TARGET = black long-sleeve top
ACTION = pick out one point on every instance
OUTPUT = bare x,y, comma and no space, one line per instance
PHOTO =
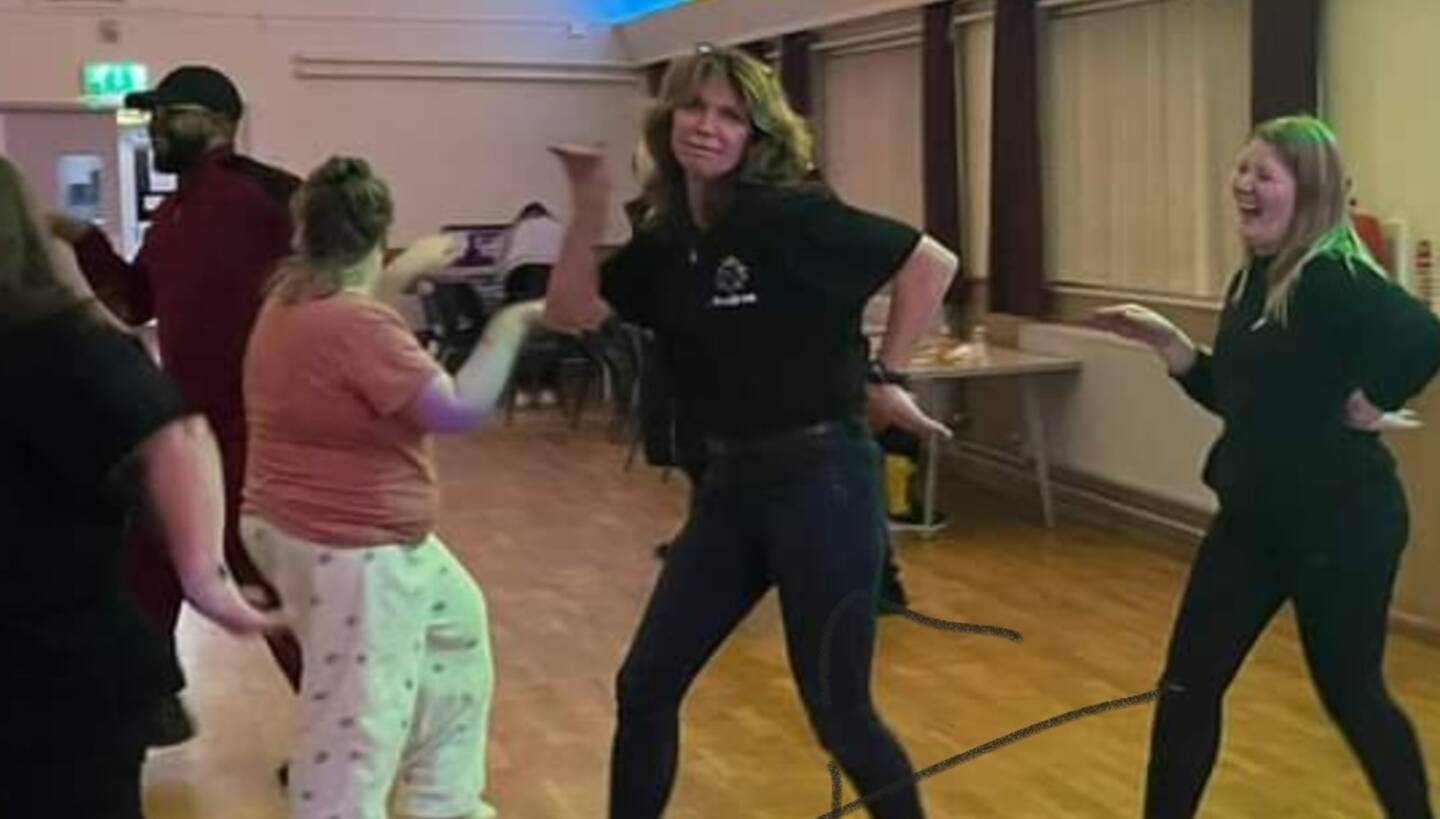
1281,391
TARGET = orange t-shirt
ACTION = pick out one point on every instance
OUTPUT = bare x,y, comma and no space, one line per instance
331,459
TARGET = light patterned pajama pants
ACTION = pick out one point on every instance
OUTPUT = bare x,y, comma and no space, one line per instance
395,700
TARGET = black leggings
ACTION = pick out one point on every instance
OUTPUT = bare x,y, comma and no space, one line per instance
71,767
804,516
1338,567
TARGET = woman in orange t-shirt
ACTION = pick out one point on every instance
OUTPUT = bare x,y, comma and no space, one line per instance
339,513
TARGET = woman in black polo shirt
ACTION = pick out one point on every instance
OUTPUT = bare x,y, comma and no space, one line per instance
90,433
755,281
1315,347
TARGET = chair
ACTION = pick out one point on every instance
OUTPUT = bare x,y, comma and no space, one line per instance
551,350
455,318
620,349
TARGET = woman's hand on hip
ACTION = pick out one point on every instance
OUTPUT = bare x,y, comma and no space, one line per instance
1361,414
889,405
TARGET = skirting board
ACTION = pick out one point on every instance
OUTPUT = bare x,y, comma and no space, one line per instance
1081,498
1170,528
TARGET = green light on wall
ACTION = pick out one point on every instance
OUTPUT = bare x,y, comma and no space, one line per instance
114,80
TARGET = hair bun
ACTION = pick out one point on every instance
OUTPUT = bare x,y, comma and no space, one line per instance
342,170
343,210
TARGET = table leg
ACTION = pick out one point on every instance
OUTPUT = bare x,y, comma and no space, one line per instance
932,457
1039,448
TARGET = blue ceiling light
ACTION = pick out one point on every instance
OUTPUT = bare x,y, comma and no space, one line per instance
627,11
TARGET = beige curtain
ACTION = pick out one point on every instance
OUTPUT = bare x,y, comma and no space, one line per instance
870,126
974,51
1143,109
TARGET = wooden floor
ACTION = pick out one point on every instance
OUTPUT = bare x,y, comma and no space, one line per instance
561,540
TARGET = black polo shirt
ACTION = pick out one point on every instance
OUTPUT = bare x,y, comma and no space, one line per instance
760,316
74,647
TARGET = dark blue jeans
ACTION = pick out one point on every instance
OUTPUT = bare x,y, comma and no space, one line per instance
803,512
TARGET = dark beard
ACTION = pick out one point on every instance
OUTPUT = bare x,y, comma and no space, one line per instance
183,151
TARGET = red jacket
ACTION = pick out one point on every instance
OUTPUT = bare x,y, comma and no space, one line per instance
201,273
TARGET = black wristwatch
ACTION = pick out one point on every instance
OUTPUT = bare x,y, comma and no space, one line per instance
877,373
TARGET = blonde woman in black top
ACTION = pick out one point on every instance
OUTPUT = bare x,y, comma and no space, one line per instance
91,435
1316,352
754,280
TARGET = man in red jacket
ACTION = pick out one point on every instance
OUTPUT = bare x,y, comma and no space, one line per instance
200,274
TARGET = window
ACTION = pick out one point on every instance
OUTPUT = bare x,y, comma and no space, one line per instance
1143,109
870,121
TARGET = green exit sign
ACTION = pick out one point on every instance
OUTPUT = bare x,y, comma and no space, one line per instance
114,80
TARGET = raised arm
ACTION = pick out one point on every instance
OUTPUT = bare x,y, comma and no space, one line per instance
573,300
460,403
1186,363
425,255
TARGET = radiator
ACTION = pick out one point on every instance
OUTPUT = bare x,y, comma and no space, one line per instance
1122,419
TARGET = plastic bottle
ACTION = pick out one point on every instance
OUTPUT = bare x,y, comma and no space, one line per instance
979,344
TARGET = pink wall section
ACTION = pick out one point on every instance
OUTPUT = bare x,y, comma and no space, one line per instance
454,100
34,139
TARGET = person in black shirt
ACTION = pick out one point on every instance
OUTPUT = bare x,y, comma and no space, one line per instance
668,441
90,433
675,447
754,282
1315,353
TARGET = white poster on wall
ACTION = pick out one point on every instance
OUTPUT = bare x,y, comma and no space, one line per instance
79,178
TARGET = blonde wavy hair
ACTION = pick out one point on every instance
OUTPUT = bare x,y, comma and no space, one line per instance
780,149
1321,223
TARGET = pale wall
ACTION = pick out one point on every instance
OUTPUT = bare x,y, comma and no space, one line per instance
60,133
1380,96
501,79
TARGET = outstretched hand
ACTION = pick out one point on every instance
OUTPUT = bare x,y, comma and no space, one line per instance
434,251
424,255
1139,323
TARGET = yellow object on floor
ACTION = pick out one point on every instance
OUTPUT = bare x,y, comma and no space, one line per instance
898,472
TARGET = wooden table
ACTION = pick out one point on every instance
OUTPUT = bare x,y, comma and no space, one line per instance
927,367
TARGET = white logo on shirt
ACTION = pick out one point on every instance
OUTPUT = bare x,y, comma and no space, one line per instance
732,283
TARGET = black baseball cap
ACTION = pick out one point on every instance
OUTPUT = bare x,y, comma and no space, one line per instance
191,85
